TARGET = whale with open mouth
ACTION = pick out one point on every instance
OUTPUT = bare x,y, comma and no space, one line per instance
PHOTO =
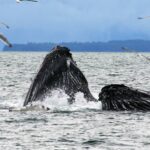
58,71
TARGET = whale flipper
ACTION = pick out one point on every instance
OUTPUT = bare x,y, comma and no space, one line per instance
120,97
58,70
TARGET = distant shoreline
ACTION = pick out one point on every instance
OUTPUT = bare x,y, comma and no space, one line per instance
110,46
1,51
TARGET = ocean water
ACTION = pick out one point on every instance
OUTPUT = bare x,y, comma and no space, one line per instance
81,125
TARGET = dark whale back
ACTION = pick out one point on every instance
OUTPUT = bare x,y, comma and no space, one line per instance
58,70
120,97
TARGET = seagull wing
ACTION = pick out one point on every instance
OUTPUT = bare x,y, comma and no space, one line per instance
4,24
18,1
33,0
143,17
4,40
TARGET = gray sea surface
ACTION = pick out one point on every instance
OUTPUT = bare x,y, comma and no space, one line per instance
81,125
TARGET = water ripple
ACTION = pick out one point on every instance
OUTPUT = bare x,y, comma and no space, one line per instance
82,125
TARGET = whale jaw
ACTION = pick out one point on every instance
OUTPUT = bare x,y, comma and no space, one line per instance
119,97
58,71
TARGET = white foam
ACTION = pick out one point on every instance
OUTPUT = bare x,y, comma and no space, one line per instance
58,101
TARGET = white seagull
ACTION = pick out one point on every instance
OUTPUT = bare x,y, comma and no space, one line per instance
18,1
146,17
4,40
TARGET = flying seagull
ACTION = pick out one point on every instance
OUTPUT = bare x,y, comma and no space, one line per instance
4,24
134,51
4,40
18,1
143,17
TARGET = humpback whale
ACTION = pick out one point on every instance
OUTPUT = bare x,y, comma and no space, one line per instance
58,71
118,97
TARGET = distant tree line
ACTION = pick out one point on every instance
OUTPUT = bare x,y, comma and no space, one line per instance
111,46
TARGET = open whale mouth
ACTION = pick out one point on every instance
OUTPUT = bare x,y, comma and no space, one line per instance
58,70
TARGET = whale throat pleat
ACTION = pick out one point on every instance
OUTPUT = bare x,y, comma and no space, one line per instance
120,97
58,70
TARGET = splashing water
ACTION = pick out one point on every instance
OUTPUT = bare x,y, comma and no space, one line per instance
57,101
78,126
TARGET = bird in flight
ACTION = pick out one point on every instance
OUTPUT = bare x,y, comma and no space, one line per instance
4,24
18,1
134,51
143,17
4,40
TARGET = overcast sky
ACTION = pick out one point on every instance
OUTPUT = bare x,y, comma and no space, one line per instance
75,20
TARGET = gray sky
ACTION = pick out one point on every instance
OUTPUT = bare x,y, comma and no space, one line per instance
75,20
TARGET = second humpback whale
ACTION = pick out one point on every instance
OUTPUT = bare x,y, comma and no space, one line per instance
118,97
58,71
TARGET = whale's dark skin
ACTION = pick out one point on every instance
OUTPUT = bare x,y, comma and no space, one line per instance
118,97
58,71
